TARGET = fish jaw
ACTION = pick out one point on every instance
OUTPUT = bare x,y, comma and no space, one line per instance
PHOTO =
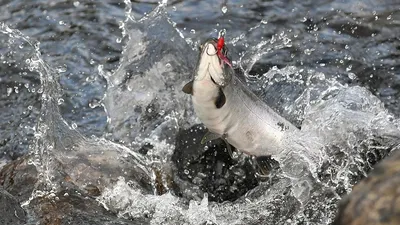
210,66
240,118
209,79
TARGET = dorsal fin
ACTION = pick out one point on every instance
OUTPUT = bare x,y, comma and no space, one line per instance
221,99
188,88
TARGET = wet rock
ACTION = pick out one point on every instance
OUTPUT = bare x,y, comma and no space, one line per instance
19,178
74,207
375,200
97,164
70,204
211,168
10,210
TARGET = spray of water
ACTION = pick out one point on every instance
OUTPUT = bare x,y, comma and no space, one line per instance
340,126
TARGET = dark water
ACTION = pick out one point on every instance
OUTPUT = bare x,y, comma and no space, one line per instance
120,80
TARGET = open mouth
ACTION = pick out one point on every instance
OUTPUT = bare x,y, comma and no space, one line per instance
211,51
221,53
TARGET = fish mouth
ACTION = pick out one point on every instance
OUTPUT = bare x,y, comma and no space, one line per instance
212,63
210,48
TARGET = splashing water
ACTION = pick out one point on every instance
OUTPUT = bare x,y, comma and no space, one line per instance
341,126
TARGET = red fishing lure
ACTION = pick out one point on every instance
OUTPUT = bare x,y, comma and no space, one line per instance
220,46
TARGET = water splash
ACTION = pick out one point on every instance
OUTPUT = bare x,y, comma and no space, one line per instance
44,142
58,145
151,72
146,108
302,197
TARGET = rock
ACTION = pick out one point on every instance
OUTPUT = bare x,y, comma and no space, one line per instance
72,206
10,210
211,168
18,178
376,199
69,204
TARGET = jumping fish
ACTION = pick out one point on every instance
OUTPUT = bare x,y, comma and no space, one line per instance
230,110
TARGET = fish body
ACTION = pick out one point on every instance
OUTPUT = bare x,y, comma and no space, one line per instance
229,110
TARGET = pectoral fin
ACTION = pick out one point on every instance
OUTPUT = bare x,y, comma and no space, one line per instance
220,100
188,88
209,137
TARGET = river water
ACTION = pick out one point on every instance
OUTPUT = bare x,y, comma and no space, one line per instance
93,89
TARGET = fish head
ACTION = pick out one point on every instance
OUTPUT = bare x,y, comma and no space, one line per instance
212,65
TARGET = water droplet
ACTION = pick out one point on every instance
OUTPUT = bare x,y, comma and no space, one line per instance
346,47
30,107
222,33
9,91
91,61
61,22
61,69
352,76
76,3
173,8
119,40
224,9
186,171
74,126
94,103
192,31
60,101
168,65
308,51
149,110
389,17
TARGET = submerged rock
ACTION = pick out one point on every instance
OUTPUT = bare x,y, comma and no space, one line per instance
18,178
211,168
69,204
10,210
375,200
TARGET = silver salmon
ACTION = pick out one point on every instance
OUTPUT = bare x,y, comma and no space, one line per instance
230,110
